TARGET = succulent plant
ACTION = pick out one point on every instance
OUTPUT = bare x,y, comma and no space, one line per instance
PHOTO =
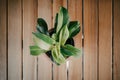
56,44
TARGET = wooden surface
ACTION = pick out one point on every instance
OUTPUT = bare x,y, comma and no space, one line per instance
44,63
90,40
116,50
105,40
59,72
3,41
14,40
29,25
75,64
99,40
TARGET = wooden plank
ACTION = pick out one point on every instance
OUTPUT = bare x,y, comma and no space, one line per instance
90,39
105,39
14,40
3,43
29,25
116,33
75,64
44,63
59,72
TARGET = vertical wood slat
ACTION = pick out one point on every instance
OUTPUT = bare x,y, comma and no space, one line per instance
90,39
105,40
29,25
3,43
44,63
116,40
59,72
75,65
14,39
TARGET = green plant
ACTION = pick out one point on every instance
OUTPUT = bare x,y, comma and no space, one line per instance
56,43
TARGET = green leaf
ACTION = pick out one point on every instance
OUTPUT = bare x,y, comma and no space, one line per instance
56,54
42,26
43,41
59,20
56,22
64,34
35,50
54,36
66,52
74,28
62,18
65,16
69,50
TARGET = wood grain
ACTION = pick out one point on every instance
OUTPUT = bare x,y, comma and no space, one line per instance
75,65
44,63
59,72
29,25
14,40
90,39
101,58
3,43
105,40
116,41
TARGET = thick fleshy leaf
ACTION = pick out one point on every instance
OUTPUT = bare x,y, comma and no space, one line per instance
56,22
56,54
65,16
64,34
62,18
35,50
59,20
42,26
69,50
54,36
43,41
74,28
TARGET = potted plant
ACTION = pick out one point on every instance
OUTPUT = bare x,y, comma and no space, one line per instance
57,43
